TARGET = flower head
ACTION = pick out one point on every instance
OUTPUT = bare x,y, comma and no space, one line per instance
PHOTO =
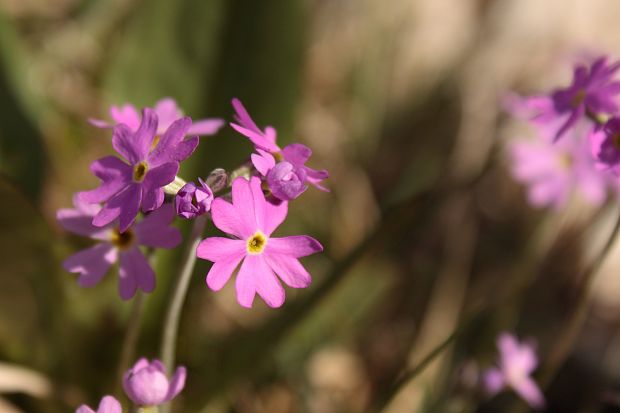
150,164
115,246
517,361
107,405
286,181
606,146
167,111
146,383
192,201
268,152
592,93
251,220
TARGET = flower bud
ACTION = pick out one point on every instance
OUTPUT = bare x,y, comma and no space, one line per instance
192,201
217,179
146,383
286,181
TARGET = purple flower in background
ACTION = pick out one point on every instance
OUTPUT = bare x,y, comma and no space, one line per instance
152,163
294,156
116,246
606,146
192,201
107,405
517,361
592,93
167,111
553,171
146,383
251,220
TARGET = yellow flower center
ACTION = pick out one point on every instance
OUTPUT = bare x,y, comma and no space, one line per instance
155,142
122,240
256,244
139,171
278,156
565,161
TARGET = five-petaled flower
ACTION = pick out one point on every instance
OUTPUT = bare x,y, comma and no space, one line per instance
287,180
167,112
152,164
108,404
252,220
94,262
517,361
146,383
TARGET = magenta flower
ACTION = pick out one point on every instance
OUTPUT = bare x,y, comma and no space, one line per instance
107,405
554,171
116,246
606,146
146,383
192,201
152,164
167,111
294,157
252,220
592,93
517,361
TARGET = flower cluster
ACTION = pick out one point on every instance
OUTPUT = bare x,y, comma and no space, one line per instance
140,194
146,385
576,138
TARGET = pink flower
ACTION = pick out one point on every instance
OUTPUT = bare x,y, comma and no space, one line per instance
192,201
146,383
167,111
606,146
252,220
94,262
107,405
285,186
149,164
517,361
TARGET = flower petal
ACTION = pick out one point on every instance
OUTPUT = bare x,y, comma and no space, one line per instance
92,263
226,218
177,382
123,142
144,136
255,276
258,201
109,405
295,246
99,123
258,139
167,111
289,270
84,409
76,221
160,176
218,248
165,151
125,206
114,174
135,272
529,391
155,230
263,161
274,216
493,381
296,153
205,127
127,114
152,199
243,117
221,270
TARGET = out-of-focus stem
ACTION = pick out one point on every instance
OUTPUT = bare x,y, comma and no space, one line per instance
173,314
131,336
566,339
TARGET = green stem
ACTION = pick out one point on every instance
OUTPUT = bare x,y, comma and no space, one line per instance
565,341
131,336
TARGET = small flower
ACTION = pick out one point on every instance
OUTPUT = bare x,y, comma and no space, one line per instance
517,361
146,383
592,93
553,171
107,405
116,246
286,181
268,152
192,201
167,111
252,220
152,164
606,146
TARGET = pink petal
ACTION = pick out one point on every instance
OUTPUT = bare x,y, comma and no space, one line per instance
77,222
255,276
126,114
258,201
84,409
142,140
115,175
529,391
220,272
296,153
160,176
295,246
155,230
243,201
109,405
167,111
152,200
258,139
274,216
493,381
166,148
140,364
92,263
243,117
177,382
205,127
135,272
263,161
98,123
289,270
124,205
217,248
226,218
123,142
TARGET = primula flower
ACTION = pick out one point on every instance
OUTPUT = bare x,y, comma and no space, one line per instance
167,111
152,163
192,201
290,178
592,93
252,220
552,171
116,246
146,383
606,146
517,361
107,405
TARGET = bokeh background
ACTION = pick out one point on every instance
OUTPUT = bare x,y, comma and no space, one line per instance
425,232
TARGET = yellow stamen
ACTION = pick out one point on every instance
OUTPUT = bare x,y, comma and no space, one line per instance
278,156
256,244
122,240
139,171
155,142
